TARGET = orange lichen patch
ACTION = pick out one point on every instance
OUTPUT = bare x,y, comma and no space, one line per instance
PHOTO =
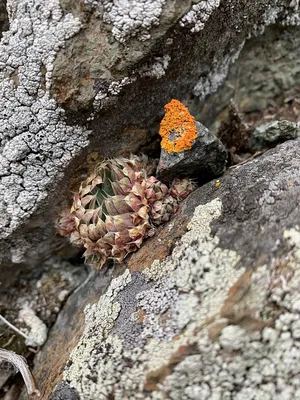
177,128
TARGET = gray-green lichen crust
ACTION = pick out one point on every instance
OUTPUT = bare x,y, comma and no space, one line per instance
36,143
173,304
166,314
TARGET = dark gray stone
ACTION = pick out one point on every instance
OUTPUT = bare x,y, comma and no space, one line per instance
3,17
273,133
64,392
205,161
260,200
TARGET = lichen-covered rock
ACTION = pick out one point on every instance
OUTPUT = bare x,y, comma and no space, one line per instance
218,318
204,161
265,73
84,75
36,143
273,133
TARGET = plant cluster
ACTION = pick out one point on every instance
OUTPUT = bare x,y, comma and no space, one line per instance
117,207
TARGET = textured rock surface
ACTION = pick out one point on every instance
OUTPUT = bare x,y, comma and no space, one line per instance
218,318
36,143
266,71
273,133
3,17
204,161
69,68
205,313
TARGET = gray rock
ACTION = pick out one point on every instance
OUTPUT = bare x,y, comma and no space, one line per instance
64,392
198,321
265,73
273,133
204,161
94,76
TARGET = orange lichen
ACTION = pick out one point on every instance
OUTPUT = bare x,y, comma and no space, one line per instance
177,128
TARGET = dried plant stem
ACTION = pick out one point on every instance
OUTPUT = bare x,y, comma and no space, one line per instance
20,364
13,327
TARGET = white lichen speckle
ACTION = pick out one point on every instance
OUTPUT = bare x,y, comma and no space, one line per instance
196,18
157,70
211,82
36,143
130,18
176,304
233,337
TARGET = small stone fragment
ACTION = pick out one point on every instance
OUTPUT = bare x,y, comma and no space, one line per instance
64,392
275,132
205,160
38,330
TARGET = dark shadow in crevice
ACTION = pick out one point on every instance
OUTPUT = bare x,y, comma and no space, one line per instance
4,22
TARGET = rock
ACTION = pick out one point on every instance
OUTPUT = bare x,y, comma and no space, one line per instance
37,328
68,330
164,331
275,132
265,73
89,76
204,161
64,392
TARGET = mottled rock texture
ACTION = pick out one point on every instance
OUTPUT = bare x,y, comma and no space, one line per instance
217,318
266,72
95,75
273,133
3,17
204,161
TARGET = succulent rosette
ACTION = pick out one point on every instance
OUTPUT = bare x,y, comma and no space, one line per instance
117,207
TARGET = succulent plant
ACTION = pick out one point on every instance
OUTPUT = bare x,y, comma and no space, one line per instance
117,207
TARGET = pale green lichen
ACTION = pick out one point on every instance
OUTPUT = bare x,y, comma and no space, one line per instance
176,309
200,223
197,278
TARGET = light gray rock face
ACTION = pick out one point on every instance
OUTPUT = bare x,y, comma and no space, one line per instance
80,76
218,318
36,143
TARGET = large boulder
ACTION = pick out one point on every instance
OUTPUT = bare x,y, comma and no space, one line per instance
206,309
